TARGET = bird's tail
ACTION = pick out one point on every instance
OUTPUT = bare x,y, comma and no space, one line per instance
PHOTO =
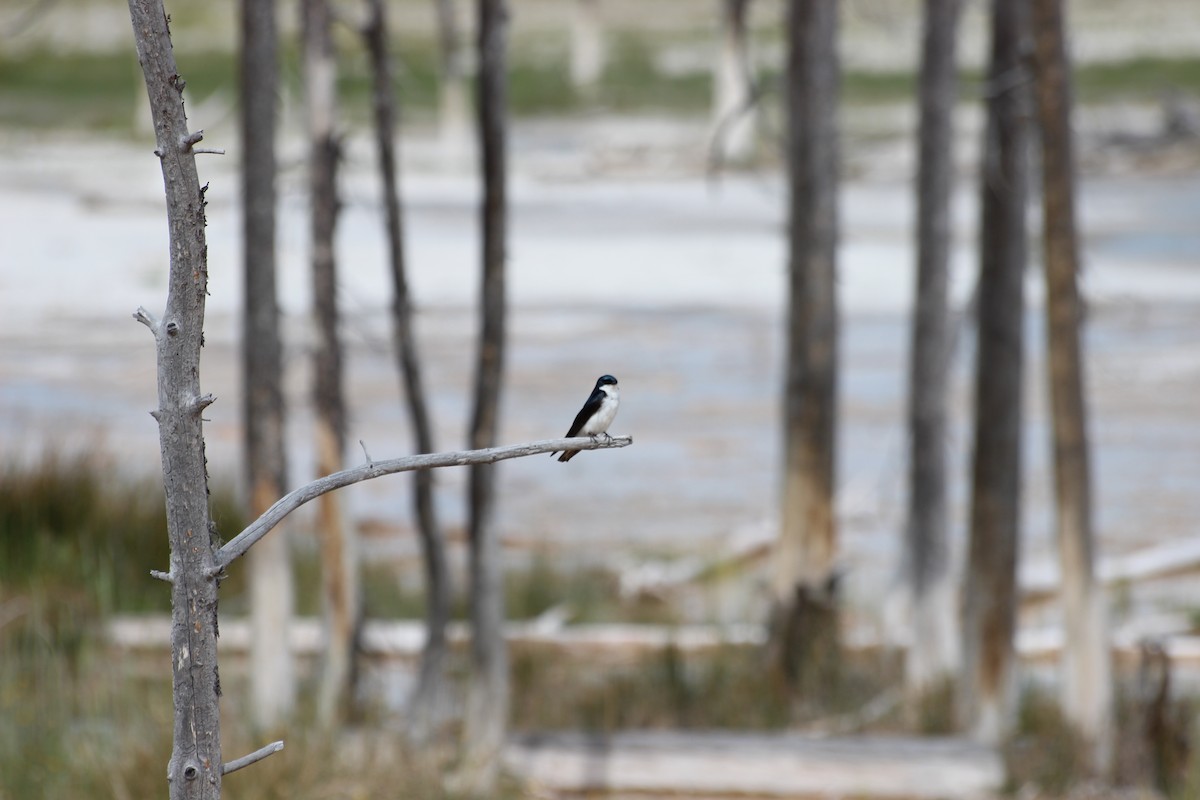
568,455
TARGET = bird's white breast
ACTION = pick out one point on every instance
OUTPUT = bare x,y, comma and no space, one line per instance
608,411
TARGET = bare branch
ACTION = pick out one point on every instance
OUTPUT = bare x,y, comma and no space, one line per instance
238,545
146,318
363,445
193,138
200,403
212,151
256,756
162,576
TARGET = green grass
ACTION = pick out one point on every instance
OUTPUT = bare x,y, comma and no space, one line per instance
93,91
722,689
72,725
1044,751
81,540
730,687
100,91
1145,79
589,594
88,727
77,720
77,90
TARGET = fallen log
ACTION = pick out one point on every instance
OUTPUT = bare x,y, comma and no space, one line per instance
711,763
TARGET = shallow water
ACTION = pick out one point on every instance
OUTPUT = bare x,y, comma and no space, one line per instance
672,283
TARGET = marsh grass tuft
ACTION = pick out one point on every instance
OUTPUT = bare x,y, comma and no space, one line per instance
80,540
1045,751
77,541
725,687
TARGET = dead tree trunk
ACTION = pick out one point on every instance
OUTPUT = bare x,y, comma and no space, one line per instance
272,672
338,558
733,86
932,654
430,695
589,51
194,770
487,698
454,117
804,614
1087,659
985,688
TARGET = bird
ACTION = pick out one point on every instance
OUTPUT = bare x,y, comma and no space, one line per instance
596,415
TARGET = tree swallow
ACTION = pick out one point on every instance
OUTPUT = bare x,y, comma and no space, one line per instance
597,413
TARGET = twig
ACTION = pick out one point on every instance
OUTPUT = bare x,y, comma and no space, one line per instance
193,138
146,318
247,760
238,545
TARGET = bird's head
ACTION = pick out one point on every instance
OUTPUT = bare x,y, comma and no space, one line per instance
606,380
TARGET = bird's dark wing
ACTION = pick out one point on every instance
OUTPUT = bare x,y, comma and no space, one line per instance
589,408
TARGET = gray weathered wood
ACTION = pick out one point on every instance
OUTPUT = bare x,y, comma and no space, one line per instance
238,545
454,106
1087,689
487,695
803,608
1042,581
251,758
194,769
933,652
430,696
734,120
589,45
272,673
339,561
986,687
721,763
622,642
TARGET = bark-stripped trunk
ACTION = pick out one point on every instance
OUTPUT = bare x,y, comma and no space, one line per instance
804,614
1087,660
734,119
454,115
986,685
194,769
589,51
933,652
487,698
338,561
272,672
430,696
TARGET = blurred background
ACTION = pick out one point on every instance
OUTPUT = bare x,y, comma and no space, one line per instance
647,238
